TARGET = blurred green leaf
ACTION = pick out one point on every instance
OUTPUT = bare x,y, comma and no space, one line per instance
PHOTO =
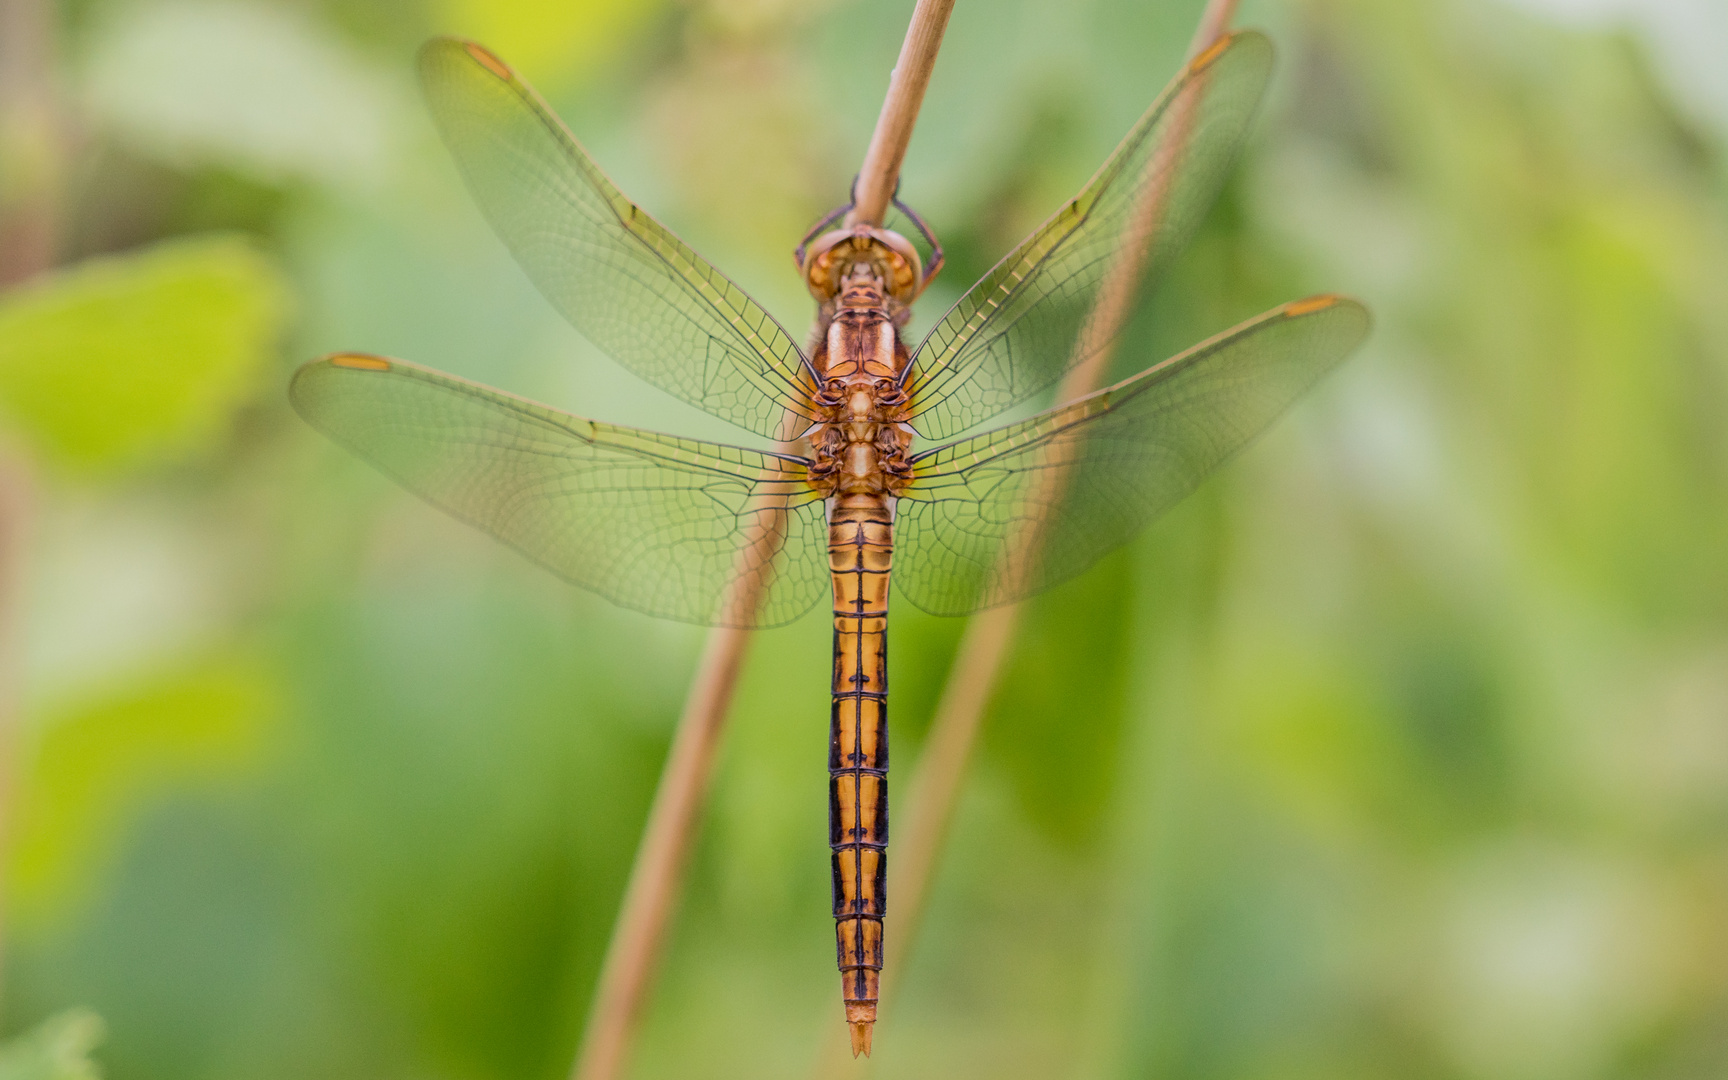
131,358
1056,715
96,762
56,1049
257,88
553,41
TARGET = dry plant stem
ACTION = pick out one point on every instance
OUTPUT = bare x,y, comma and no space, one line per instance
936,781
16,503
1214,24
881,169
30,150
942,763
30,163
1116,295
639,934
648,899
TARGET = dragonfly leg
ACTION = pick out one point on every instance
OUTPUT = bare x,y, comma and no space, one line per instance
816,230
932,265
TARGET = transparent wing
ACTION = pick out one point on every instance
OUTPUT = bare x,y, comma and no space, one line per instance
1001,515
619,276
674,527
1024,324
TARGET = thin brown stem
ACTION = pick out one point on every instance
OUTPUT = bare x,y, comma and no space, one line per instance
906,84
31,160
639,934
638,937
942,764
30,144
16,503
1115,301
632,955
1214,24
936,781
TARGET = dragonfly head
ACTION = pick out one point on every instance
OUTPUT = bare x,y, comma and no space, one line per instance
836,257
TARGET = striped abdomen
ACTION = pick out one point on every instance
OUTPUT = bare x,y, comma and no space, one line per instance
860,551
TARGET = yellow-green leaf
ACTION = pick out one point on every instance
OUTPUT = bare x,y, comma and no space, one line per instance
96,763
132,358
56,1049
554,41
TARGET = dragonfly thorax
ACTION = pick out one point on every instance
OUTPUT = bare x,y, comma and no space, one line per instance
859,446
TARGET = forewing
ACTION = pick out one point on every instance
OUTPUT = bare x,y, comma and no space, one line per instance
1001,515
619,276
1024,324
674,527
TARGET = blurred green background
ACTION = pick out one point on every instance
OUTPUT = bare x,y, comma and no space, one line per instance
1401,750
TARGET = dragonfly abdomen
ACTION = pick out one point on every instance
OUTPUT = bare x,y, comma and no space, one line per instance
860,555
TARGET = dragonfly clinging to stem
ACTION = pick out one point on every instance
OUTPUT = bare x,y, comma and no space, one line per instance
737,536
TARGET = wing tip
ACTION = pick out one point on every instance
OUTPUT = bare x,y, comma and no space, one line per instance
357,361
1354,312
477,52
347,361
1224,43
1310,305
1212,52
1295,309
489,60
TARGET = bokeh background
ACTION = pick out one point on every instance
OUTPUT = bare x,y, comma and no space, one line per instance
1400,750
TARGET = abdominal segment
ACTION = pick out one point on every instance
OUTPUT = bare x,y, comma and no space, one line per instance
859,553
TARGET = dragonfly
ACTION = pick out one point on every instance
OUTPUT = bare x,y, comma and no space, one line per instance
877,459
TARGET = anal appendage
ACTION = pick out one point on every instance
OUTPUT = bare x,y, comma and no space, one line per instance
861,1017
